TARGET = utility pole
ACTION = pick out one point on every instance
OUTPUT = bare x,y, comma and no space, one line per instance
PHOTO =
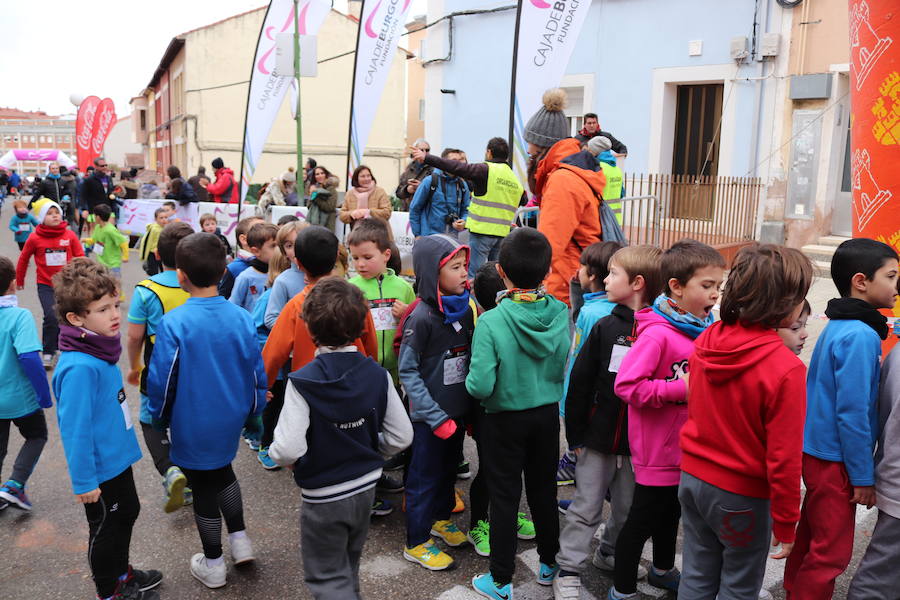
300,174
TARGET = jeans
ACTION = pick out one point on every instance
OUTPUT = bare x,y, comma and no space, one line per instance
482,248
50,333
429,481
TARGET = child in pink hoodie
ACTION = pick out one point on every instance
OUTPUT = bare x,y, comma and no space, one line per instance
653,381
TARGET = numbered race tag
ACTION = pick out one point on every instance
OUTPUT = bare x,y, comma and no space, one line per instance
456,365
615,358
23,227
55,257
99,248
382,315
123,404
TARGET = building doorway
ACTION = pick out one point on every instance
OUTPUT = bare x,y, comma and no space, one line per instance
695,155
842,214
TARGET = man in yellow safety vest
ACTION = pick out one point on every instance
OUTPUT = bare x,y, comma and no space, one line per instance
496,195
600,147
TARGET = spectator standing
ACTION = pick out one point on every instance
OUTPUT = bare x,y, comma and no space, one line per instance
441,203
224,188
179,189
199,182
323,198
365,198
592,129
413,174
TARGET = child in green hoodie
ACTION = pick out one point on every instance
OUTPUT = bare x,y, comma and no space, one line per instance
387,294
519,353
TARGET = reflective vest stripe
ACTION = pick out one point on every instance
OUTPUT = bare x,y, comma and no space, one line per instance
498,205
169,298
493,220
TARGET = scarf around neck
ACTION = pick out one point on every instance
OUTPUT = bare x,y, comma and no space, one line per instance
454,307
521,295
77,339
854,309
687,323
362,195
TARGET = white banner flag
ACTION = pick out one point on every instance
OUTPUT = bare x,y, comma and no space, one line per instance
267,90
547,31
380,27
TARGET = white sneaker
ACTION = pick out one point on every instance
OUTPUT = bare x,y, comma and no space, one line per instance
241,550
567,588
212,576
608,563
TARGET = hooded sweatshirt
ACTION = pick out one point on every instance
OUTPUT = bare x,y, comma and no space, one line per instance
53,248
224,188
745,418
434,356
650,382
519,355
570,212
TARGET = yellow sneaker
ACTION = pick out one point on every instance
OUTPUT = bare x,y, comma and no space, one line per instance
460,505
448,532
429,556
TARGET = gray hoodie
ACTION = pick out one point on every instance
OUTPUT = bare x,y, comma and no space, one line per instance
887,457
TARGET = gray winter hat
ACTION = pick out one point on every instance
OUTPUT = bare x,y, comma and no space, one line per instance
599,144
548,125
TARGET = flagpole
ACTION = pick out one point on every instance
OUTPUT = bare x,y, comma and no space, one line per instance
512,87
297,76
362,11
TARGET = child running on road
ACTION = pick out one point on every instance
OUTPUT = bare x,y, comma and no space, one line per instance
22,223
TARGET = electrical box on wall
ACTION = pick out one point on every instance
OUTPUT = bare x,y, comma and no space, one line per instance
695,47
739,48
770,44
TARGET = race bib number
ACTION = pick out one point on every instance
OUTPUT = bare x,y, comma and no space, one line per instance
615,358
23,227
382,315
99,248
55,257
456,365
123,404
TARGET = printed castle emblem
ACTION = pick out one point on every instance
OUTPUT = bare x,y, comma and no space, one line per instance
868,198
865,45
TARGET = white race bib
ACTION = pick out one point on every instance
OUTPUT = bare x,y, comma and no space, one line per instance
123,404
99,248
382,315
23,227
55,257
615,358
456,366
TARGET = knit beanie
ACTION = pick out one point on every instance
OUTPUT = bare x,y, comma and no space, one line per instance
42,207
548,125
599,144
289,176
218,163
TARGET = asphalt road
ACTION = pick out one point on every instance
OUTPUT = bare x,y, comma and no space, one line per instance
45,550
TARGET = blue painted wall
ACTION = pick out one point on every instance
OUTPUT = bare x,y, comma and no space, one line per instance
621,42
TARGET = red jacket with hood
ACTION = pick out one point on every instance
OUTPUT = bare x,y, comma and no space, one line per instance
59,244
570,212
219,188
746,410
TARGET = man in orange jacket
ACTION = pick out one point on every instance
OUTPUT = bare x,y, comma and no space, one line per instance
569,193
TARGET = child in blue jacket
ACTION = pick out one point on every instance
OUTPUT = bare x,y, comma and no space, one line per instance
95,425
205,397
22,223
842,417
24,392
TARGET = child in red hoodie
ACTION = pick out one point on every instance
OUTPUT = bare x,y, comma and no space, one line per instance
742,443
53,246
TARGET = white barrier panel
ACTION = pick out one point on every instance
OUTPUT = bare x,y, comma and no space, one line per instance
135,215
226,216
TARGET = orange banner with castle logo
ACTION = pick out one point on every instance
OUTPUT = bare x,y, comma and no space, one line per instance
875,120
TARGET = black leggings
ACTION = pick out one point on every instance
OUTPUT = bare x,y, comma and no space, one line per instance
110,521
158,445
217,494
271,412
655,512
478,491
33,428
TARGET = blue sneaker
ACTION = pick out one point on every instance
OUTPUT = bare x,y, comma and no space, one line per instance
565,470
666,580
564,505
616,595
547,573
253,443
14,493
265,460
382,507
484,585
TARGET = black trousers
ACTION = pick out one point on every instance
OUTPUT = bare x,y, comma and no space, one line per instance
158,445
655,512
216,495
33,428
515,443
271,413
478,491
50,334
110,521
